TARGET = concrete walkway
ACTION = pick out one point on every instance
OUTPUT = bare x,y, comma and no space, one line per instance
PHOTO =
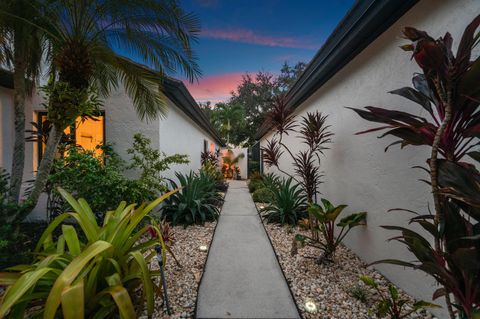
242,277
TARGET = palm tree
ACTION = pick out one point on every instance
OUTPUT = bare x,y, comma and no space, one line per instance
21,48
83,40
226,114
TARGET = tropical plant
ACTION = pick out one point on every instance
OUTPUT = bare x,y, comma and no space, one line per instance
255,184
359,292
263,195
288,205
196,202
81,37
96,277
209,157
326,217
215,175
230,164
314,133
450,83
224,115
21,49
151,162
392,304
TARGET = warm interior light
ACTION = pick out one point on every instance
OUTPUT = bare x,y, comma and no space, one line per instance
310,307
203,248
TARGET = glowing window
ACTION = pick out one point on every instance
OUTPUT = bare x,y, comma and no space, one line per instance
86,133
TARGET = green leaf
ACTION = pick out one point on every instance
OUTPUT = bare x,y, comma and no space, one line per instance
70,274
73,301
368,281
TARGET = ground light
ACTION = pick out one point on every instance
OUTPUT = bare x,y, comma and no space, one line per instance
311,307
262,207
203,248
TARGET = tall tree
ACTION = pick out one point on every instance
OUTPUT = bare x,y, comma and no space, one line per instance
227,118
21,48
82,36
289,75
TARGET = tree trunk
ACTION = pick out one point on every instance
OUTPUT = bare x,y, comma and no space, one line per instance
18,156
43,171
437,199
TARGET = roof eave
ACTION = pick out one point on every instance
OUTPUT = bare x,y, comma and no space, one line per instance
367,20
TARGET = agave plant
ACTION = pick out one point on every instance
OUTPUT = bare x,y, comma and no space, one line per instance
449,91
196,202
326,217
288,206
97,277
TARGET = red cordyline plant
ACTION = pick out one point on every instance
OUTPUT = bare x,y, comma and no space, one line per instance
314,133
449,91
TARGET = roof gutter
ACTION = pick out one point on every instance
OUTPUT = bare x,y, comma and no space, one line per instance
367,20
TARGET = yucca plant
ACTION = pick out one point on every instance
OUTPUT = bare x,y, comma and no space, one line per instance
448,90
289,204
326,218
95,278
196,203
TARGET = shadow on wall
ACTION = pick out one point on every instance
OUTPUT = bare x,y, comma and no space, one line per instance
234,163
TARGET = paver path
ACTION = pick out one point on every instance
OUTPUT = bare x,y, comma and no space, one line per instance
242,277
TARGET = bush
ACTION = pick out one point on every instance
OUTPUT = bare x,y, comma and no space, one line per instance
99,276
288,204
196,203
14,246
254,185
263,195
215,175
100,180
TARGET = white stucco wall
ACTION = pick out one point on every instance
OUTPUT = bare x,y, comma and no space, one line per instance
357,170
176,133
179,134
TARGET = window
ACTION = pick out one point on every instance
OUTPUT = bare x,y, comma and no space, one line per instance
86,133
205,146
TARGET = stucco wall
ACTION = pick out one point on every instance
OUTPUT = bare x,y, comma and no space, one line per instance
176,133
179,134
357,170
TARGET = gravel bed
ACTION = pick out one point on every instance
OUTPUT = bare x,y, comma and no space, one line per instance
182,282
328,286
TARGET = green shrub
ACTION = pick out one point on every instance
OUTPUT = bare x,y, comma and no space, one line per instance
254,185
196,203
101,181
255,176
288,204
96,277
215,175
263,195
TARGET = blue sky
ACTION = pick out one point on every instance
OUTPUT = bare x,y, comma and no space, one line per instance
249,36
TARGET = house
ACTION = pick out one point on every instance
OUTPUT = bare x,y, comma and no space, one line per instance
184,130
359,63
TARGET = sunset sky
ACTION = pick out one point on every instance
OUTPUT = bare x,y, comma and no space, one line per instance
252,35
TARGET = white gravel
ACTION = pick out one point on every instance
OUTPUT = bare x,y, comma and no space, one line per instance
182,282
329,286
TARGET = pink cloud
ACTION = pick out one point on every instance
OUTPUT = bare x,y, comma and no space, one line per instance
215,88
250,36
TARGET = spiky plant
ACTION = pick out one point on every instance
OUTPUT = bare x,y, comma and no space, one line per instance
314,133
448,90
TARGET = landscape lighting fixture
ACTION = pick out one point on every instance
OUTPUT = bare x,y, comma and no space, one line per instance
203,248
310,307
